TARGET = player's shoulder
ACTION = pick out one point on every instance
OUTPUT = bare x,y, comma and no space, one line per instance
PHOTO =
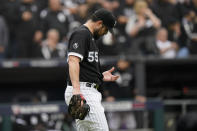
82,31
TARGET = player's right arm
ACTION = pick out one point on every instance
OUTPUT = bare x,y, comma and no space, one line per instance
76,52
73,62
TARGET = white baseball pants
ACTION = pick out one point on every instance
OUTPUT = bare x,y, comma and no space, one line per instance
95,120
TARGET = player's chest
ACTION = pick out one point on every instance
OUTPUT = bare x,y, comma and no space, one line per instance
92,53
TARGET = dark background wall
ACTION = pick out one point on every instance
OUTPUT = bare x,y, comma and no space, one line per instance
163,78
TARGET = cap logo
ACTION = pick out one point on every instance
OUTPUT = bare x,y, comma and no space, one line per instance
75,45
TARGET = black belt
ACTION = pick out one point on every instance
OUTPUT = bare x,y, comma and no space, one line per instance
88,84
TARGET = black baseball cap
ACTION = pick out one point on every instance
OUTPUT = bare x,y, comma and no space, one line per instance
107,17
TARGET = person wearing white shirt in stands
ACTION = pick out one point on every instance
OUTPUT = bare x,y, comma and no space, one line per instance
168,49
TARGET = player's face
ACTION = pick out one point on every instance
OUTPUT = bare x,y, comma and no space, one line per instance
102,30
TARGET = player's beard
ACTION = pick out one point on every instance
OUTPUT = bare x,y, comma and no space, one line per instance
96,34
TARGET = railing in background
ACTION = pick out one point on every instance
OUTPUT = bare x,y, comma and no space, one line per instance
156,106
149,71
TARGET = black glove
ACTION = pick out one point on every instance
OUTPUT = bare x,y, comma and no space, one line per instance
77,107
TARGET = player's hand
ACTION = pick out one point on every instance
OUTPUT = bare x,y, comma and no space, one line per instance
107,75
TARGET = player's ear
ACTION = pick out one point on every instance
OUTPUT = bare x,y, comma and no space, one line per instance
100,23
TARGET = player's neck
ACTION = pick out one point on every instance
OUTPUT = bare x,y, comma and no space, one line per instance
90,26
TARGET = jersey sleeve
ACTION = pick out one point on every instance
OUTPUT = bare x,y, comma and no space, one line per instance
77,44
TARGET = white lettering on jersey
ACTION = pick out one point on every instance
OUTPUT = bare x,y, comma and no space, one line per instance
92,56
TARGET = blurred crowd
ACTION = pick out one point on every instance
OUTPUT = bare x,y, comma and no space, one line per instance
41,28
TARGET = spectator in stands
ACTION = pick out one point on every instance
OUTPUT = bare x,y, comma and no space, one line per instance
141,27
80,16
174,29
179,7
188,29
3,37
51,48
123,89
27,25
54,17
174,34
187,122
72,5
36,46
167,48
120,90
123,13
12,17
164,10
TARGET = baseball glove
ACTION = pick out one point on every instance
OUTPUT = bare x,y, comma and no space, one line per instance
77,107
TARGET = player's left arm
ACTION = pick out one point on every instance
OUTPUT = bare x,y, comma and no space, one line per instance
108,76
